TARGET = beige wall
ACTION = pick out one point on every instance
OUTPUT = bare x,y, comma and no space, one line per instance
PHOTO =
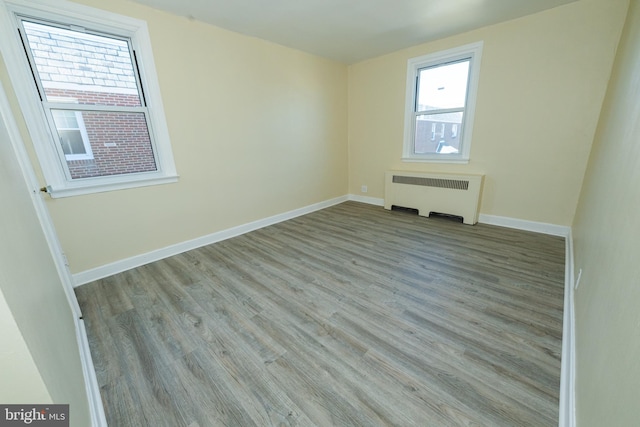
607,249
542,82
257,129
20,380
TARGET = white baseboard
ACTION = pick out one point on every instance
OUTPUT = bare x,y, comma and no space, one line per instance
568,366
96,409
502,221
142,259
521,224
365,199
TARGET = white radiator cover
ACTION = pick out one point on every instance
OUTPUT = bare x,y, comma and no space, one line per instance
445,193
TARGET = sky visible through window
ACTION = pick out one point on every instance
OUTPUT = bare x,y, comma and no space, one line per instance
443,86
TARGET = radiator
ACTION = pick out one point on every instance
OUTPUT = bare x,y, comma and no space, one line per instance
443,193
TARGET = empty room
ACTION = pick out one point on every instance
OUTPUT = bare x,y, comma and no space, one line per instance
322,213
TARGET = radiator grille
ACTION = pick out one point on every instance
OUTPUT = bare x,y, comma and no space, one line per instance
455,184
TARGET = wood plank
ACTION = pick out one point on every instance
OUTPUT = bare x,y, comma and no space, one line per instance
351,315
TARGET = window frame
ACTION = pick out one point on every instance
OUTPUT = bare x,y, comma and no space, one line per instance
58,182
473,52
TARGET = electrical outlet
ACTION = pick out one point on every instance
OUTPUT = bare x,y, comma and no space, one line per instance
363,189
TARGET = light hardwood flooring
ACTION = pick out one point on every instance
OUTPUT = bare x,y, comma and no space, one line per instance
349,316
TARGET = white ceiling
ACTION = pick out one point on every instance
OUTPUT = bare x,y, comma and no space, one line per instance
352,30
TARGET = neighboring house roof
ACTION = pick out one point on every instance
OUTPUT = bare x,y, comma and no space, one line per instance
442,117
68,59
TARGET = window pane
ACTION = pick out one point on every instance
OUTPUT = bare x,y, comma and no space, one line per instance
443,86
82,68
71,141
65,119
120,144
437,133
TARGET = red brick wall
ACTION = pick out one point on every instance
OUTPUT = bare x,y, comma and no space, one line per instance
119,141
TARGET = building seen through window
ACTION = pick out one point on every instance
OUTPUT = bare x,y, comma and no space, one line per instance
92,99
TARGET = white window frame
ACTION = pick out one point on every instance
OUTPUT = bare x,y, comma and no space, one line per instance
58,183
414,65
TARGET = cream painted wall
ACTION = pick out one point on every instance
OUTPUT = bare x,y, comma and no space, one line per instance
542,83
20,380
257,129
607,249
32,290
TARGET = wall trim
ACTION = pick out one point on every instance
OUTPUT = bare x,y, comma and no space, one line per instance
521,224
98,418
502,221
567,416
178,248
365,199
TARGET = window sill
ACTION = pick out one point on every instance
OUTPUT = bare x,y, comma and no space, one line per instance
432,160
86,188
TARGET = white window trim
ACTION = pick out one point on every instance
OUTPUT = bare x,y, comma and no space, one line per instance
473,51
58,184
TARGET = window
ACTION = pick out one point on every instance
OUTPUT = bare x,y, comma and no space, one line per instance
441,92
85,80
72,134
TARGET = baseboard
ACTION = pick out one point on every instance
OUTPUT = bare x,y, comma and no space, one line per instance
142,259
96,409
502,221
568,366
365,199
521,224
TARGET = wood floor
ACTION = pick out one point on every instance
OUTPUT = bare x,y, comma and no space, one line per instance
349,316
